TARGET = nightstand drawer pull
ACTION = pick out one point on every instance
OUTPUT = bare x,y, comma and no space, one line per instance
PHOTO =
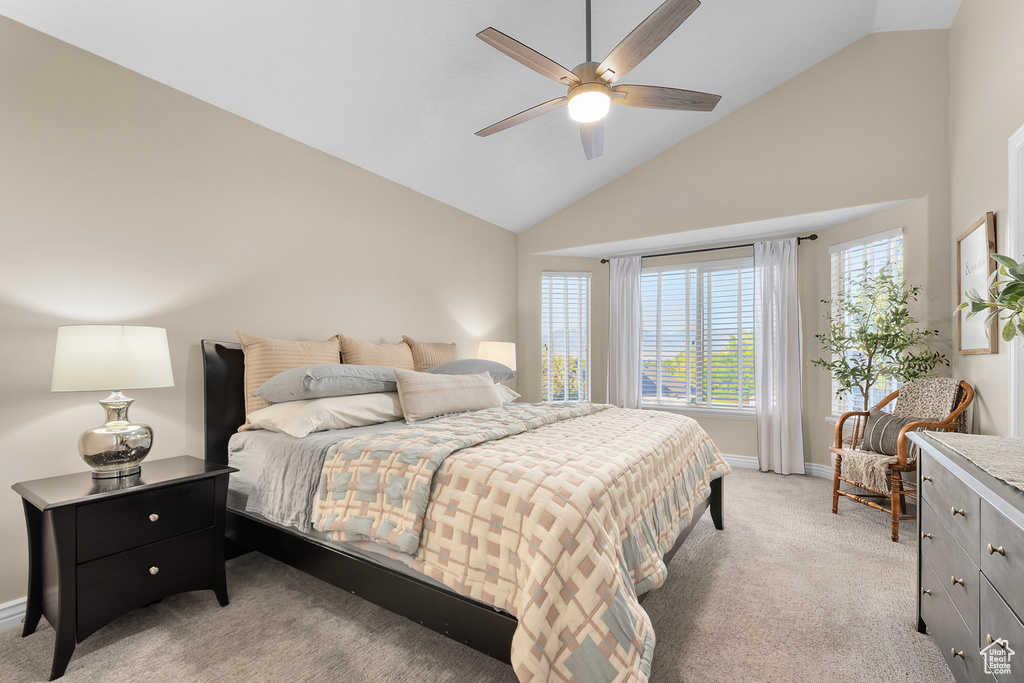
154,570
925,534
954,653
993,551
955,512
154,517
954,581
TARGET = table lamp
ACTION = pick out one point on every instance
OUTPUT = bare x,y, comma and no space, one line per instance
499,352
112,358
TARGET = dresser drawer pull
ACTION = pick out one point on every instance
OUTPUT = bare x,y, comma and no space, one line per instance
954,653
923,478
153,517
956,581
993,551
925,534
154,570
955,512
998,641
925,591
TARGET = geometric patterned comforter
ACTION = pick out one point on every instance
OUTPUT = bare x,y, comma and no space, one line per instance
559,514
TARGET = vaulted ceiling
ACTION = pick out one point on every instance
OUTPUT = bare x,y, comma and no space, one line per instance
398,87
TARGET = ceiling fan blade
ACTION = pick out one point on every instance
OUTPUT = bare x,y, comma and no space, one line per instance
656,97
527,56
645,38
522,117
592,135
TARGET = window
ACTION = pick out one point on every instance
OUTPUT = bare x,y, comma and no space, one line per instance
565,337
698,335
852,262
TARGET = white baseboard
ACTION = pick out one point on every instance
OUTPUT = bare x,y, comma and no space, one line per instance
11,614
811,469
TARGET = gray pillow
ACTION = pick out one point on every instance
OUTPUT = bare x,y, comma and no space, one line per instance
474,366
882,433
323,381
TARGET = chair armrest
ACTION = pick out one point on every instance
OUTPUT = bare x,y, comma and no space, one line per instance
839,426
902,442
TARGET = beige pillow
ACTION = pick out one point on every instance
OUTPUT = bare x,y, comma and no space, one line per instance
424,395
356,352
426,356
299,418
264,358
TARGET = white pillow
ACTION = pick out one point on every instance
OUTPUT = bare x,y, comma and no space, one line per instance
424,395
299,418
506,394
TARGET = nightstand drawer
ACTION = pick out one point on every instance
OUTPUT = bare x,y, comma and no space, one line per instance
129,521
114,585
957,505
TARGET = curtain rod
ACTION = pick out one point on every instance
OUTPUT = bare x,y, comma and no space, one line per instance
812,237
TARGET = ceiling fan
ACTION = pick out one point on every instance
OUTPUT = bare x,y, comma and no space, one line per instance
591,85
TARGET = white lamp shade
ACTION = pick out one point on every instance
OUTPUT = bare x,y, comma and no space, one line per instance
500,352
111,358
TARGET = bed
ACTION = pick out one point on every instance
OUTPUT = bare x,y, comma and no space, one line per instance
418,590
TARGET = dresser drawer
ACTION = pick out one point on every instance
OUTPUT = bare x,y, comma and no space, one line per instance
959,575
948,629
110,526
1004,569
957,505
999,623
114,585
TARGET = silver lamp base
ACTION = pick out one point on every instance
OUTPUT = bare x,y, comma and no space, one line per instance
115,448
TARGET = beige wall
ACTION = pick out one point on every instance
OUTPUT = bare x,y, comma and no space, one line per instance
122,200
867,125
986,107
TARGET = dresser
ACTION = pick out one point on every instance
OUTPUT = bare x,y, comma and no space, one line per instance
970,560
99,548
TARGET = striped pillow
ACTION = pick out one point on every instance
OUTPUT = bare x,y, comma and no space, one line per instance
356,352
426,356
265,358
424,395
882,432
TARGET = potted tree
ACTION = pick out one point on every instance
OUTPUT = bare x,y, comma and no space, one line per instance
872,336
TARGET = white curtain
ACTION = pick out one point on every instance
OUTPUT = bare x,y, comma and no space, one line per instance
780,441
624,332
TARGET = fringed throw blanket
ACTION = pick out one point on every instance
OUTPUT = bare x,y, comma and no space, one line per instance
558,513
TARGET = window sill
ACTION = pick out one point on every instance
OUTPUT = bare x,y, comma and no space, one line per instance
704,412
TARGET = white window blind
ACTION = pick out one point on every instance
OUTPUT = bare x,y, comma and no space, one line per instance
852,263
565,337
698,335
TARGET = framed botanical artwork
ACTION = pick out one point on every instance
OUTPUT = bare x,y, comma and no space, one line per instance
974,264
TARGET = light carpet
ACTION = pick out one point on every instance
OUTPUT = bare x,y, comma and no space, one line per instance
787,592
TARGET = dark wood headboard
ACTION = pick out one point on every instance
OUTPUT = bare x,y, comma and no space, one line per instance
223,395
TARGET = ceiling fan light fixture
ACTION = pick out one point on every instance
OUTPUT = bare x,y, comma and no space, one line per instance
589,102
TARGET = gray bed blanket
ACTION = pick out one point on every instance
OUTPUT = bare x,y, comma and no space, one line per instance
286,470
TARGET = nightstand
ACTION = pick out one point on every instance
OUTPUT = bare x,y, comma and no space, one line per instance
99,548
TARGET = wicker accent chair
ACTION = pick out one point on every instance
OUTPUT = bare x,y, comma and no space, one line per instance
880,475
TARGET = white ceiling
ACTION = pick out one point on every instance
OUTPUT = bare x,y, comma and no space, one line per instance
398,87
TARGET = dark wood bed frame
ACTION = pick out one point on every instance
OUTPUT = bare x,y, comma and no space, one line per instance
476,624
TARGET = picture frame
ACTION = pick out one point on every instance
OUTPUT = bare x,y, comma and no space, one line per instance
974,249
